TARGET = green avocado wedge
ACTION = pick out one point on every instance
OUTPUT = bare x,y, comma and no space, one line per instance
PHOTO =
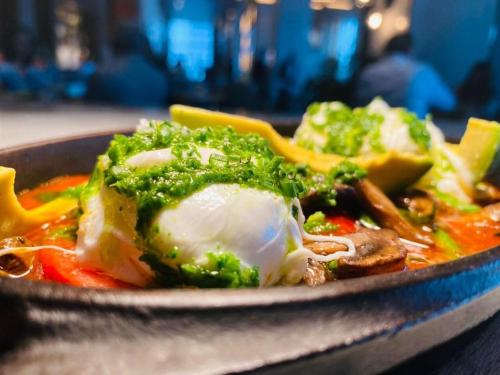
474,156
393,171
479,146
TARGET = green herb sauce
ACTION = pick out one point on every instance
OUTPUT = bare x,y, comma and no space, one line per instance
417,129
247,160
346,130
221,270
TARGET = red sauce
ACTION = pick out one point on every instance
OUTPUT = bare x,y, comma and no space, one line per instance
30,199
471,232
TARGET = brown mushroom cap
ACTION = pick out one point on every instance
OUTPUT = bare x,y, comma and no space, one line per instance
377,251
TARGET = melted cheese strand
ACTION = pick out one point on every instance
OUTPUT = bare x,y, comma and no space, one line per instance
28,249
351,249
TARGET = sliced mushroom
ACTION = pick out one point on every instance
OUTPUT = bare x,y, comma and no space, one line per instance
377,251
316,273
12,265
387,215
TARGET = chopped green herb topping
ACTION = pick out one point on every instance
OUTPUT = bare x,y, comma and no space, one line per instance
221,270
322,186
319,185
316,223
418,130
333,265
347,173
345,128
247,160
332,127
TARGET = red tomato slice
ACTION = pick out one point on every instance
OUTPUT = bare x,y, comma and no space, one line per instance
65,268
345,224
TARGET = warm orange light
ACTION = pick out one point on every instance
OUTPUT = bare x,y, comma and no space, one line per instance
402,23
331,4
266,2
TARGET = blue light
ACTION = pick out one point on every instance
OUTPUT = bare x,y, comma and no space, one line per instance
345,46
191,44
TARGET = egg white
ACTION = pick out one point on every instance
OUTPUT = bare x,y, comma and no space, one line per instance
106,238
257,226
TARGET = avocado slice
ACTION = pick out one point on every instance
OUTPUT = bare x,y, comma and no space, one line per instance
479,146
475,154
390,171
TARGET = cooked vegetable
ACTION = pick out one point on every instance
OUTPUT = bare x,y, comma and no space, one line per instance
72,192
66,269
347,173
479,146
447,243
378,251
486,193
316,223
334,128
456,203
457,169
321,189
493,211
386,213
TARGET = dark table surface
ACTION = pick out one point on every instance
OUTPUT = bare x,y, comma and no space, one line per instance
474,352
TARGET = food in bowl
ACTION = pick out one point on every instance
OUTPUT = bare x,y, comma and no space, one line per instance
216,200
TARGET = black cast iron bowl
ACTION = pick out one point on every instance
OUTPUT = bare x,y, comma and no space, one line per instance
363,325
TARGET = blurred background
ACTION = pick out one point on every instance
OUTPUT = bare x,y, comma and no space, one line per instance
114,58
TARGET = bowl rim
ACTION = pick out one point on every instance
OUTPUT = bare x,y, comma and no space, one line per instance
228,298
